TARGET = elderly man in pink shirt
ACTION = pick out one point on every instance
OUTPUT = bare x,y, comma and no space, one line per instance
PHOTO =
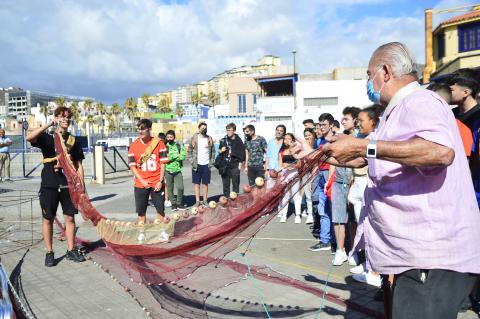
421,221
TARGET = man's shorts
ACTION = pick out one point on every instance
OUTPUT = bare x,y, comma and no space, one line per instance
201,175
51,197
339,203
141,200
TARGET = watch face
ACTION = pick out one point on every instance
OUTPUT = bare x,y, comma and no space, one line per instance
371,152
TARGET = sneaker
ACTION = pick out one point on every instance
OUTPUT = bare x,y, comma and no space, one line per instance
309,219
320,246
75,255
298,219
174,207
198,204
353,260
360,269
283,219
304,213
203,203
340,258
168,203
8,180
49,259
368,278
182,207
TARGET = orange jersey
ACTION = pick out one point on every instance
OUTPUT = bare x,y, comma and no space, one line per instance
467,137
150,170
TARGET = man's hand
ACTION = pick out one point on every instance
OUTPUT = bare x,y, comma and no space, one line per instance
222,149
301,148
145,184
245,169
158,186
240,166
345,148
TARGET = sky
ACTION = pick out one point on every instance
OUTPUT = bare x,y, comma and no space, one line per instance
114,49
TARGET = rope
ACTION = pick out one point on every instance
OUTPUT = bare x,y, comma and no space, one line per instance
254,282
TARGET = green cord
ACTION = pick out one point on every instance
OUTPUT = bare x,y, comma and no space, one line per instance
254,281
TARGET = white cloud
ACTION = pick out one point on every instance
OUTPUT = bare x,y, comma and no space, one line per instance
113,49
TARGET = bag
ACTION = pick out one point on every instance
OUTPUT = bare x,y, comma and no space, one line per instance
221,164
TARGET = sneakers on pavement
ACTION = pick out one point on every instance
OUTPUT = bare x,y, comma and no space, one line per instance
340,258
309,219
49,259
353,260
8,180
283,218
368,278
298,219
168,203
360,269
182,207
75,255
174,207
304,213
320,246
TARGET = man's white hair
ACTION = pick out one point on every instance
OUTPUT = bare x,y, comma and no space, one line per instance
396,55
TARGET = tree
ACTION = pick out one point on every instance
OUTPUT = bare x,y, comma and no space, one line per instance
116,110
131,109
44,109
90,120
196,98
74,108
88,105
60,101
111,123
179,111
213,100
146,100
100,108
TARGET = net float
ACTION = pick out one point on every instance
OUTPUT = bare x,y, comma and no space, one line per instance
141,223
201,209
233,195
186,215
107,221
247,188
259,181
212,204
157,221
194,210
273,173
166,219
128,224
223,200
176,216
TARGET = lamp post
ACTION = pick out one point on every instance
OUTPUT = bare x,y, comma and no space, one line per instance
294,90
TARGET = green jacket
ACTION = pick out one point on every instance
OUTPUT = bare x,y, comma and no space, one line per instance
176,155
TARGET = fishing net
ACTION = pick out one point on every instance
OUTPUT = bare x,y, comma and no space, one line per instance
180,261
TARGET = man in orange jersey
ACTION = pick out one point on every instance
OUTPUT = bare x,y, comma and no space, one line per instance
147,157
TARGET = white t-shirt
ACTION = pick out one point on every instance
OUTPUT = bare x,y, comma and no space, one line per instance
203,157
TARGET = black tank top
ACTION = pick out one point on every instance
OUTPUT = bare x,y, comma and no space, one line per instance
288,159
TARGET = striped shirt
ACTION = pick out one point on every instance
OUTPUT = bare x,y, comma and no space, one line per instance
151,168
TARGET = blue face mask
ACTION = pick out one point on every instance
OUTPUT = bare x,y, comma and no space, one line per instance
373,95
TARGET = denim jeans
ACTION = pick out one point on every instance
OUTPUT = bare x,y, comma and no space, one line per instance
324,209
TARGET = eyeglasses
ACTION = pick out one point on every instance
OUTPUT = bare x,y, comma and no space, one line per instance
142,129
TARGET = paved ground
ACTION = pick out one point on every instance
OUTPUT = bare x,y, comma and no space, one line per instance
83,290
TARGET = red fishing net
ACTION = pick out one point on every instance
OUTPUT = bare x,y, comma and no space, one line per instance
179,263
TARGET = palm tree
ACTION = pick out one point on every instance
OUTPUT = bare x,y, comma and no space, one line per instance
44,109
146,100
111,123
179,111
60,101
196,98
116,110
100,108
76,117
212,100
90,120
130,109
88,105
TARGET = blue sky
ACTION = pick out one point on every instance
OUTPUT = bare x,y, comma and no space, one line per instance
114,49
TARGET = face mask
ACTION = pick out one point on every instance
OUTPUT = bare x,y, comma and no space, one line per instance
373,95
204,132
171,142
248,137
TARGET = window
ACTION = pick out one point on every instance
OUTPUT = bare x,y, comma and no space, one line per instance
254,99
320,101
441,45
469,37
242,103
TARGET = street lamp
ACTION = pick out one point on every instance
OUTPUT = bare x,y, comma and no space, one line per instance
294,90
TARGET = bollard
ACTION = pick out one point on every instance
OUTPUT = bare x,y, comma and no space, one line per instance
99,165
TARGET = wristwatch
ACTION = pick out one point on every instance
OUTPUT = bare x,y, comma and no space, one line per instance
372,149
